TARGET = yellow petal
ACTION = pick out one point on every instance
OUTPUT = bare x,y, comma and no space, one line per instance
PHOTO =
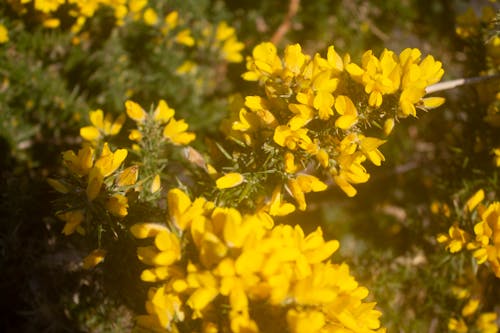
474,200
163,112
345,186
95,182
433,102
128,176
146,230
117,205
229,180
156,184
89,133
94,258
135,111
57,185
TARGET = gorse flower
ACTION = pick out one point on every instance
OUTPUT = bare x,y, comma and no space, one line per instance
484,239
103,126
243,260
174,130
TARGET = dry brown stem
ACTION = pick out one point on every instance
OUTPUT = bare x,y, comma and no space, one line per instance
293,8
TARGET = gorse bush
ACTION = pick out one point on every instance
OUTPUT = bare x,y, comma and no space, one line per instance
212,175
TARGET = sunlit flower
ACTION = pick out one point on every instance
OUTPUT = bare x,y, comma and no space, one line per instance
135,111
102,126
455,240
79,164
175,131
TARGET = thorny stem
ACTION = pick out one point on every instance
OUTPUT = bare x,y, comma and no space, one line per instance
446,85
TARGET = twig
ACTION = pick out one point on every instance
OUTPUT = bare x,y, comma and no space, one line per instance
285,25
459,82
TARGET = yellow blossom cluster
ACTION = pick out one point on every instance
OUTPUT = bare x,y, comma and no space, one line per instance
316,111
90,172
82,10
208,258
174,131
468,24
484,242
471,316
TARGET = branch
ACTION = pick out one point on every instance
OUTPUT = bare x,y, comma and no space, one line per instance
441,86
285,25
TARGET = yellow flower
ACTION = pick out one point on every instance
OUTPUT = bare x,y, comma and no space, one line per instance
79,164
165,252
388,126
470,307
496,153
277,207
304,184
348,113
182,211
487,231
128,176
4,34
117,205
474,200
150,17
135,135
200,298
286,137
102,126
94,184
51,23
175,131
146,230
73,220
135,111
184,37
369,147
163,113
294,59
456,239
487,322
231,47
155,184
93,259
457,325
229,180
109,161
378,75
264,62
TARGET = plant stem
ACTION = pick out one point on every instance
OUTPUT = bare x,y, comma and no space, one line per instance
441,86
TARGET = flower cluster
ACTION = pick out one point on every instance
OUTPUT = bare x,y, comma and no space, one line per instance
468,24
90,171
315,112
100,184
207,258
470,315
155,133
82,10
484,242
